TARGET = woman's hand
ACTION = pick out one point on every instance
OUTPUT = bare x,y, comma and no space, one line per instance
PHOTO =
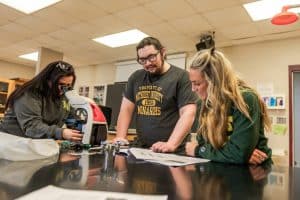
257,157
72,135
190,148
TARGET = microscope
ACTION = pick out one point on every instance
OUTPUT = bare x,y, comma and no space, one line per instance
88,118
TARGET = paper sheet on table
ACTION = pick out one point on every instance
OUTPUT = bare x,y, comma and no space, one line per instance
165,158
51,192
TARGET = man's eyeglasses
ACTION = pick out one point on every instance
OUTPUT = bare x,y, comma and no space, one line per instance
151,58
63,67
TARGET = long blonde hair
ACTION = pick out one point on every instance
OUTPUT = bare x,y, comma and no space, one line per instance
223,92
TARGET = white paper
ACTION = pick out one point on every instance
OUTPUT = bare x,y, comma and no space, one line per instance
165,158
51,192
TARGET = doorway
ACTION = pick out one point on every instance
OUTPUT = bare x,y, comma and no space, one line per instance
294,115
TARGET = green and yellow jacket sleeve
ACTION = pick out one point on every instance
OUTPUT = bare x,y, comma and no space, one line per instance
244,136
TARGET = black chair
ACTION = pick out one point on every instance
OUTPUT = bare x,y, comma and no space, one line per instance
107,113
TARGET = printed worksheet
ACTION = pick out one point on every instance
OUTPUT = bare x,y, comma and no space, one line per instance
165,158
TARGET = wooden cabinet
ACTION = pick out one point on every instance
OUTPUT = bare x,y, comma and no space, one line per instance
17,82
7,86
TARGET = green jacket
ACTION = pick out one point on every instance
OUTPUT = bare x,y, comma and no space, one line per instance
244,135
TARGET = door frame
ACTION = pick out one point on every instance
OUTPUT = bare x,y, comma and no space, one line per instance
292,69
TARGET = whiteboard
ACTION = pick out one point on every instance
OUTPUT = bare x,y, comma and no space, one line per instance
126,68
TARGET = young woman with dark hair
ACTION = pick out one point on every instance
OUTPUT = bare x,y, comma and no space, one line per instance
38,108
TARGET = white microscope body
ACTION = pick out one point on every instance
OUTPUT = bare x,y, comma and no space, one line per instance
92,122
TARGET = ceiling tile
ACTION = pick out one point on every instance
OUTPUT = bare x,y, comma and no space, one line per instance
82,9
227,17
9,37
67,36
138,16
4,21
57,17
241,31
37,24
160,30
246,1
89,45
110,24
205,5
170,9
192,25
142,2
86,29
115,5
17,50
31,45
48,41
10,14
21,31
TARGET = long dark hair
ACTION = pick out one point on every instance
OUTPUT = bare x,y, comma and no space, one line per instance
45,83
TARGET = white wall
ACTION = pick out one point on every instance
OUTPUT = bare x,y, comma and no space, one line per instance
12,70
94,75
126,68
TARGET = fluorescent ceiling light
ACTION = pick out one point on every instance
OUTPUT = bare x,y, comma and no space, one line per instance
28,6
266,9
31,56
122,39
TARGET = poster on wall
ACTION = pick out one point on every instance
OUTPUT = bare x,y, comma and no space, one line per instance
99,94
84,91
274,101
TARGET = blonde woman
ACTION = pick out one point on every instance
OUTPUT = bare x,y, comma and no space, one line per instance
232,118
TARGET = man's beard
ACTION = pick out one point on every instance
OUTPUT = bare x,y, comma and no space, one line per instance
158,69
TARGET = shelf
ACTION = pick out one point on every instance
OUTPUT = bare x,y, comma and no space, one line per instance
7,87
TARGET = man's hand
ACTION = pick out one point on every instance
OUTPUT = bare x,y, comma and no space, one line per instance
257,157
163,147
122,141
190,148
72,135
